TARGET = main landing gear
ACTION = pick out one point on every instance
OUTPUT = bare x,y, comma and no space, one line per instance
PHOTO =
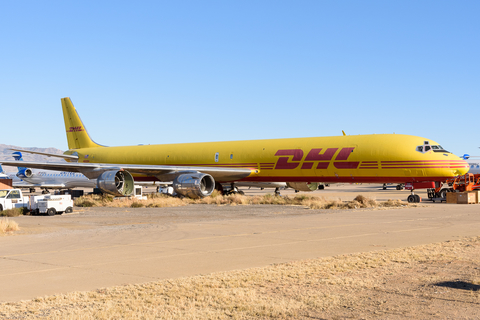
233,190
277,191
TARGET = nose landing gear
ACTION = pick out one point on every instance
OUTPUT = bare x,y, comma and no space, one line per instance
413,198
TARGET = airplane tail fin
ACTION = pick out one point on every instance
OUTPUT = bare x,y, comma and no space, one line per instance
77,135
1,169
18,157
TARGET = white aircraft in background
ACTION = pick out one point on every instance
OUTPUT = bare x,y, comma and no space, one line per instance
49,179
16,181
474,164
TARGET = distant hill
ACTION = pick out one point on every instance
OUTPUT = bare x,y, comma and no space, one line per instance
6,154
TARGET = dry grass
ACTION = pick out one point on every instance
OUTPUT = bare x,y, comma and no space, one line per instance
14,212
161,200
364,285
7,226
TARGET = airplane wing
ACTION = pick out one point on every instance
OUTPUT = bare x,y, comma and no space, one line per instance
63,156
162,172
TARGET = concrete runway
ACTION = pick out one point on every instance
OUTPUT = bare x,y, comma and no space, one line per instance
101,247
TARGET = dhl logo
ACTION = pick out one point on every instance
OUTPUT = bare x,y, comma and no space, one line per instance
75,129
292,158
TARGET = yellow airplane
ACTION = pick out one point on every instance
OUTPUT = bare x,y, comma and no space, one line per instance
195,168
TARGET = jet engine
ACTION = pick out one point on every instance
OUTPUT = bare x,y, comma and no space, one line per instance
116,182
303,186
25,173
194,185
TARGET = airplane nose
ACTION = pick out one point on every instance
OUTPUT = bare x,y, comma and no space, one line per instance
461,167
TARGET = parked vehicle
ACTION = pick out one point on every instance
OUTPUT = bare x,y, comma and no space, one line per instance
44,204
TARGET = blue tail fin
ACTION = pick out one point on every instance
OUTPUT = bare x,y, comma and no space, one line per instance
18,157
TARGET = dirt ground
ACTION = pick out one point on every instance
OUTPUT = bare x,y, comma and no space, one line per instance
432,281
436,281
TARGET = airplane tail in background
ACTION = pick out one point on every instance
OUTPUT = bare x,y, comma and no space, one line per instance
18,157
77,134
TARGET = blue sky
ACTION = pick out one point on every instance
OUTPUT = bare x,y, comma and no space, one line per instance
149,72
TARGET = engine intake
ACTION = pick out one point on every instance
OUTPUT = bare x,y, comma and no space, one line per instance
194,185
25,173
118,183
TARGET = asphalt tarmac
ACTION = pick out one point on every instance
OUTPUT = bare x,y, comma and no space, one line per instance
101,247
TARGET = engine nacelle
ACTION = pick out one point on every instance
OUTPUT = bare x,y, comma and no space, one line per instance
116,182
303,186
25,173
194,185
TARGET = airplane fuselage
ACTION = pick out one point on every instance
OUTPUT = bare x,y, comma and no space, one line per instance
59,179
378,158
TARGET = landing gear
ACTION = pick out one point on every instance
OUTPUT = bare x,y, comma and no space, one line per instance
277,191
234,190
219,188
384,186
413,198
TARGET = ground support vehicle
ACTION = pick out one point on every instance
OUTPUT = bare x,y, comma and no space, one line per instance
12,198
53,204
46,204
466,182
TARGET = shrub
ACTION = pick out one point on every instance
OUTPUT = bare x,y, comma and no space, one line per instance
8,226
137,204
13,212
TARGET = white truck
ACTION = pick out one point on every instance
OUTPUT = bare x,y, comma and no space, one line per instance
44,204
11,199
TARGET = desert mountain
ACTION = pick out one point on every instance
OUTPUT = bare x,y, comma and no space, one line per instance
6,154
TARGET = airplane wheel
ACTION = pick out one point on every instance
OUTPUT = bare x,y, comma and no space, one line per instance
384,186
443,193
417,198
411,198
51,212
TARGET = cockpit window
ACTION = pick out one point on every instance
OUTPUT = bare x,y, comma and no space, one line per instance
439,148
427,147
